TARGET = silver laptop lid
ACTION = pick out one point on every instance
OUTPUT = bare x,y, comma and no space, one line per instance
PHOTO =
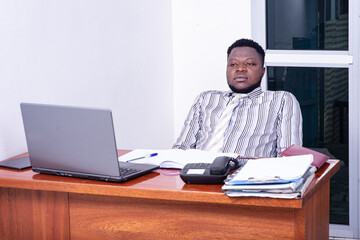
72,139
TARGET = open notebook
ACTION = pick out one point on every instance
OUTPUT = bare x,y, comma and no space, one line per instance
172,158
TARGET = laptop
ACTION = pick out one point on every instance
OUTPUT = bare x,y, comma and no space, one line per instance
75,142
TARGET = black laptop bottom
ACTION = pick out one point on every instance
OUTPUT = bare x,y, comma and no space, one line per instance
128,171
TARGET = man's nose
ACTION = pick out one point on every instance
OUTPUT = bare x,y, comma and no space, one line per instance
242,68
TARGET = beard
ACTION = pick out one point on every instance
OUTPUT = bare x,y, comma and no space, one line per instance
245,90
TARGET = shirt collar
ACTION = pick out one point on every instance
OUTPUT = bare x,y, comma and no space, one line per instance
252,95
255,93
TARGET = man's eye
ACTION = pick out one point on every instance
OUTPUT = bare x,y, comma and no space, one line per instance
232,64
250,64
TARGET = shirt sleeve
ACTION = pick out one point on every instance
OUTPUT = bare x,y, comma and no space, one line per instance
188,138
289,128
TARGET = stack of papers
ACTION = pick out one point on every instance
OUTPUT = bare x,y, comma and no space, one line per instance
285,177
172,158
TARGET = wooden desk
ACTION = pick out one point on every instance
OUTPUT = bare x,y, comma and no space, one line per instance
156,206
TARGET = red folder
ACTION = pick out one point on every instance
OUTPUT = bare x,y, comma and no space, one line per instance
294,150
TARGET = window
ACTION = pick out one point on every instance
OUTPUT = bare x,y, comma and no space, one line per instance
309,52
307,25
323,97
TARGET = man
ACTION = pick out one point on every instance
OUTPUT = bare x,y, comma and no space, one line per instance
246,120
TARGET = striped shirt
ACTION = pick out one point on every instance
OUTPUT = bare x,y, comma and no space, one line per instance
262,125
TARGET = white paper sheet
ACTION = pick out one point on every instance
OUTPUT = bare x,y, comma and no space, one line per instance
173,158
273,169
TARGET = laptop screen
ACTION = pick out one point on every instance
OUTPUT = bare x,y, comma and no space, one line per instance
72,139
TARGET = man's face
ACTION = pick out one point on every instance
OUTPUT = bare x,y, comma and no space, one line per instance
244,69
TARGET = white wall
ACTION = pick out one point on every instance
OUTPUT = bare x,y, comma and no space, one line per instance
114,54
145,59
202,32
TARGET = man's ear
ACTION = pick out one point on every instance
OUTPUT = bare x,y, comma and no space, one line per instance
263,72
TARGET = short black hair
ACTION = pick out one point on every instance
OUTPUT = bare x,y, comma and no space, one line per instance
247,43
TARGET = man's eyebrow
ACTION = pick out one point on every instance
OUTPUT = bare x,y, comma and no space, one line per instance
249,58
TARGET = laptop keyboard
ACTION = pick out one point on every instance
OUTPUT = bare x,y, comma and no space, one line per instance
128,171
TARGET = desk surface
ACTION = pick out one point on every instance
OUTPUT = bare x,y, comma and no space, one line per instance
162,184
158,205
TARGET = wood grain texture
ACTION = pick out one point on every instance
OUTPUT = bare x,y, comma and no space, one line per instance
319,204
158,205
104,217
32,214
162,184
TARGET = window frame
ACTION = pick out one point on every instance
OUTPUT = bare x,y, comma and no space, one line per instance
325,58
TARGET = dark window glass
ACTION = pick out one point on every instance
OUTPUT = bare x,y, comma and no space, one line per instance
307,25
323,97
